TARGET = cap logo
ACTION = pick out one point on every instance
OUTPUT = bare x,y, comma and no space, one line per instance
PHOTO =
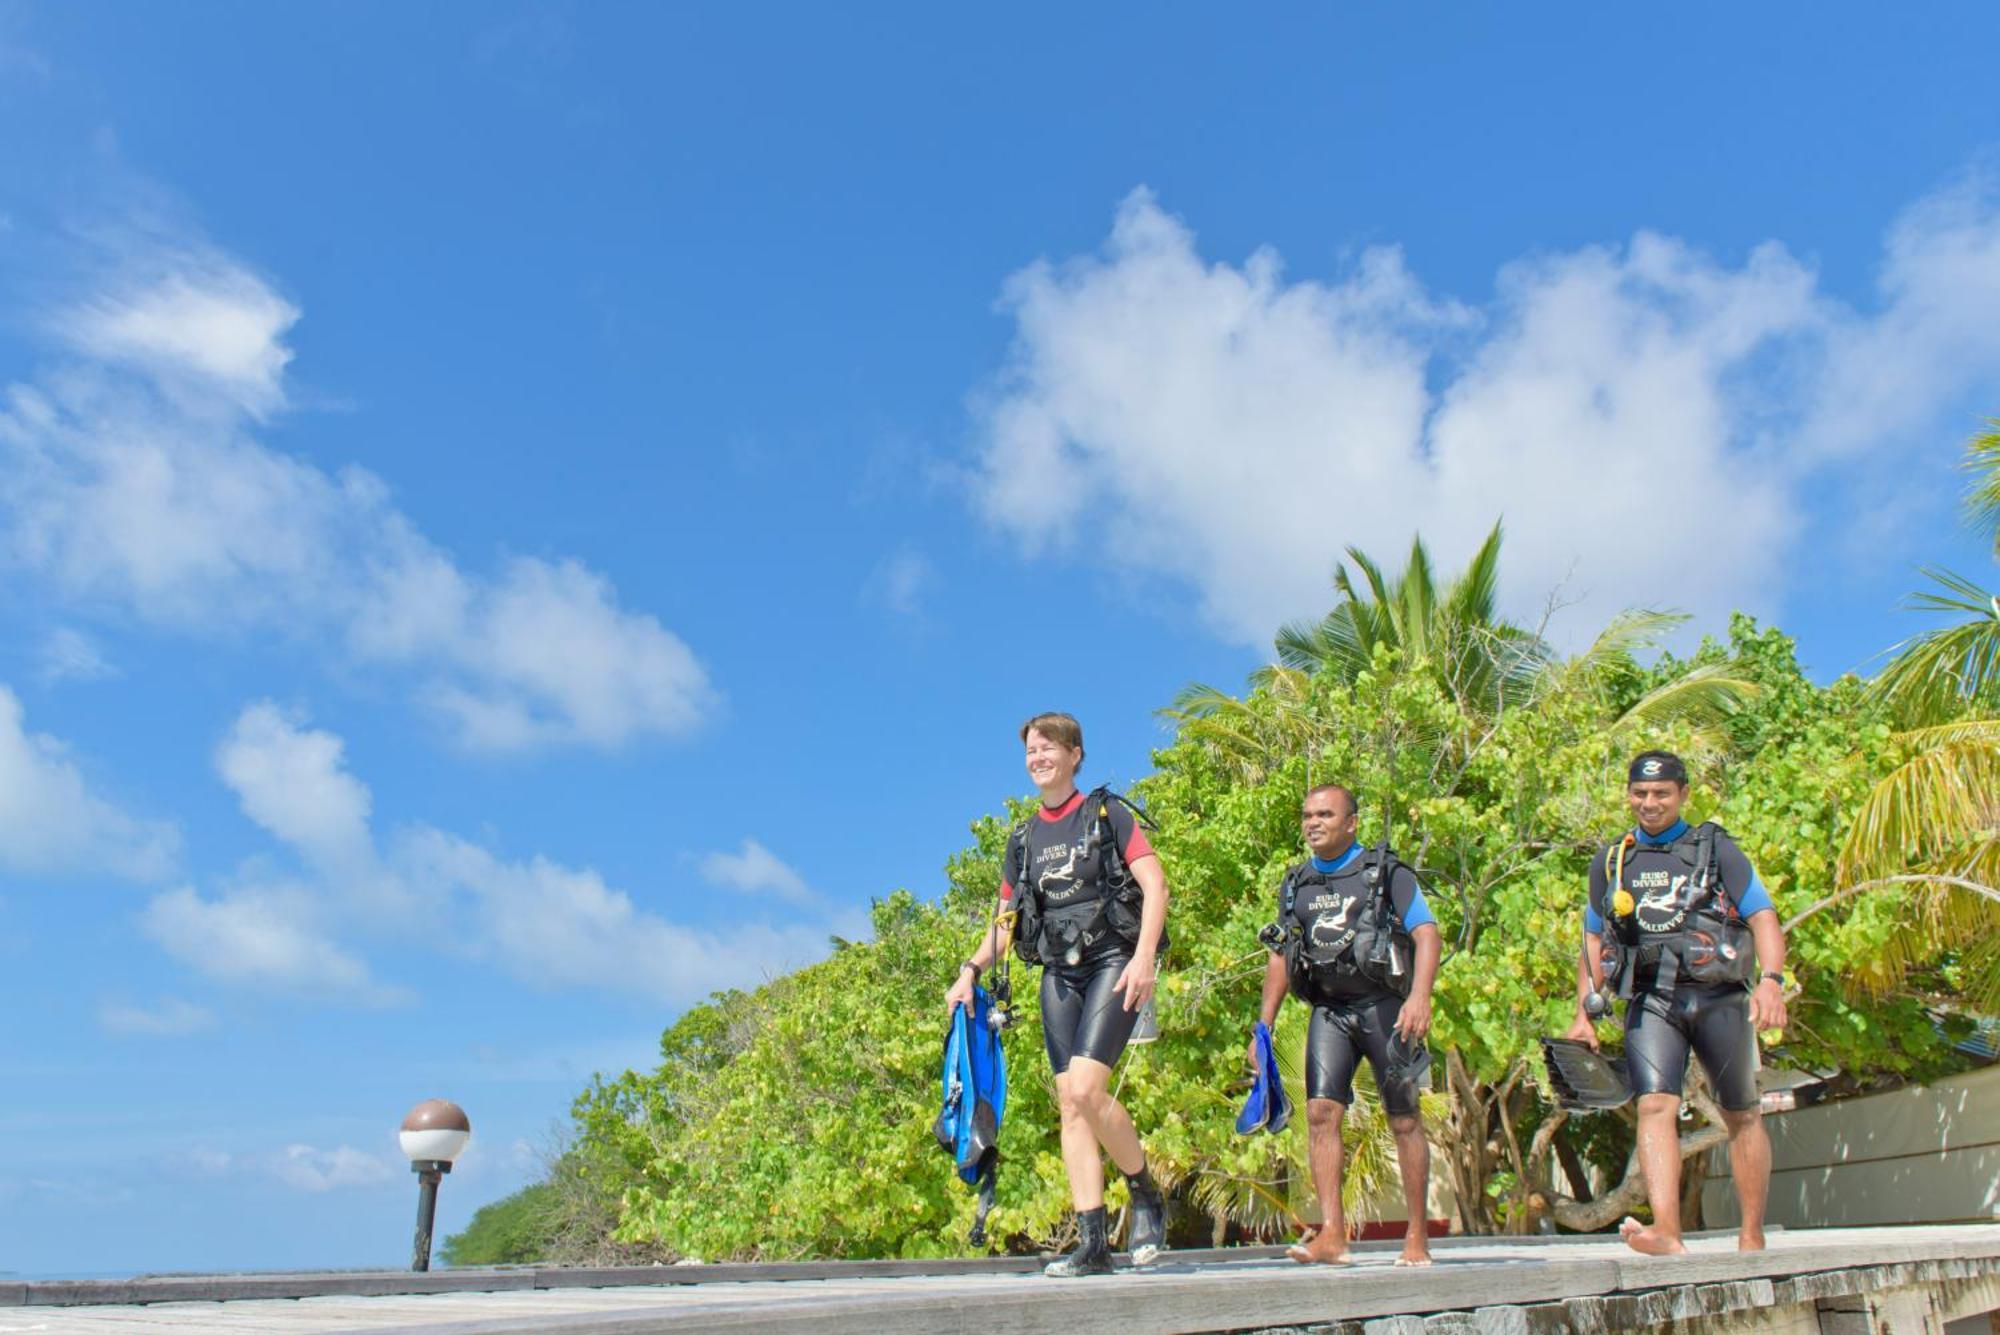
1651,769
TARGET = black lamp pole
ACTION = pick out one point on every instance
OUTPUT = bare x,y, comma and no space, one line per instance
429,1173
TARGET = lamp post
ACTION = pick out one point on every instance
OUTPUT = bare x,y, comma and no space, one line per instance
433,1135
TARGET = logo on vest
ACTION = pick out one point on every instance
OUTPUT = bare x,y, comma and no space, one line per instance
1330,930
1662,900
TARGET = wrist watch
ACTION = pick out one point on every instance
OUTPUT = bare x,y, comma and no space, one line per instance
1774,976
970,965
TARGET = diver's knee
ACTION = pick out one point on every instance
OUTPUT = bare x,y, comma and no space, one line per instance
1406,1125
1653,1107
1739,1120
1067,1100
1325,1114
1086,1092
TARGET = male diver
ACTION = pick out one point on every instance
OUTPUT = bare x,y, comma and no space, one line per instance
1672,916
1355,941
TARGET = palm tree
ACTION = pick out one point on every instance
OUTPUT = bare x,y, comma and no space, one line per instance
1455,629
1487,664
1931,827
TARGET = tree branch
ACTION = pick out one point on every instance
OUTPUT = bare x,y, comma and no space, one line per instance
1621,1200
1919,878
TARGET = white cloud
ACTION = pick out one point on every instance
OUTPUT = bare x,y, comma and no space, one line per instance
209,322
172,1017
315,1170
263,937
557,926
900,582
202,1161
70,655
551,925
552,657
1234,431
51,823
755,869
292,782
132,475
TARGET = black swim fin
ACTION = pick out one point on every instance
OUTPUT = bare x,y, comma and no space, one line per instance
1584,1080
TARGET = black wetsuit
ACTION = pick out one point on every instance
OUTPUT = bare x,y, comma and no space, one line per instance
1355,1018
1081,1015
1712,1022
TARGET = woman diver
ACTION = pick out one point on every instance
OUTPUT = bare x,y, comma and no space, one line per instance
1091,900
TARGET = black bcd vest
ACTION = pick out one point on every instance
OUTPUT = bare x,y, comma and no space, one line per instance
1064,935
1362,937
1706,942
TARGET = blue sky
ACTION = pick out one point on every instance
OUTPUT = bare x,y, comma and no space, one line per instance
514,516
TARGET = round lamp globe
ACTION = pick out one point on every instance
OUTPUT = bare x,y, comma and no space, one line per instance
435,1130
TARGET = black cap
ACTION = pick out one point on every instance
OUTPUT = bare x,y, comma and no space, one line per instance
1649,766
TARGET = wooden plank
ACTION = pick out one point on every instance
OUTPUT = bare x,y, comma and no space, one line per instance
1474,1280
1163,1303
224,1288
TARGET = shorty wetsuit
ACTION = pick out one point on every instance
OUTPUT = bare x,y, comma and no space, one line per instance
1357,1018
1081,1015
1711,1021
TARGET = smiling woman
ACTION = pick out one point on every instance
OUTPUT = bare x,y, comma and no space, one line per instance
1076,872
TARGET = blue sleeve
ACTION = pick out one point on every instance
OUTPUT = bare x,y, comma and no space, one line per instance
1755,899
1592,923
1737,872
1418,911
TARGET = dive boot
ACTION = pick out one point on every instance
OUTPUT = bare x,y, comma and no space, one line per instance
1147,1236
1092,1255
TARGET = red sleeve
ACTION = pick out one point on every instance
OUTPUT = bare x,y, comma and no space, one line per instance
1136,844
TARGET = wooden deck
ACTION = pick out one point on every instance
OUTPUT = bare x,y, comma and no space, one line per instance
1807,1281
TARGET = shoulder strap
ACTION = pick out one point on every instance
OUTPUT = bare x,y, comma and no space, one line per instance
1018,873
1707,875
1098,804
1379,868
1103,794
1288,891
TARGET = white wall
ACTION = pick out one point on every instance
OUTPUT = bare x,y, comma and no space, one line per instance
1921,1155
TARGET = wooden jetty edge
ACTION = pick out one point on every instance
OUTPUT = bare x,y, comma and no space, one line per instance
1826,1282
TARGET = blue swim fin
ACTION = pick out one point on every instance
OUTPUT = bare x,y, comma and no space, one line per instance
1267,1099
1281,1102
973,1102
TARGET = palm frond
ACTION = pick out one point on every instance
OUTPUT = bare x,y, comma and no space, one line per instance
1415,602
1703,698
1475,594
1197,700
1935,673
1943,799
1982,495
1948,916
1630,633
1333,643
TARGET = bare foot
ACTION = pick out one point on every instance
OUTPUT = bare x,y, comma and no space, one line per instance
1322,1248
1416,1251
1750,1242
1645,1238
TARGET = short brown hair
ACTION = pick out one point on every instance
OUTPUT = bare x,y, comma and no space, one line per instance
1062,729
